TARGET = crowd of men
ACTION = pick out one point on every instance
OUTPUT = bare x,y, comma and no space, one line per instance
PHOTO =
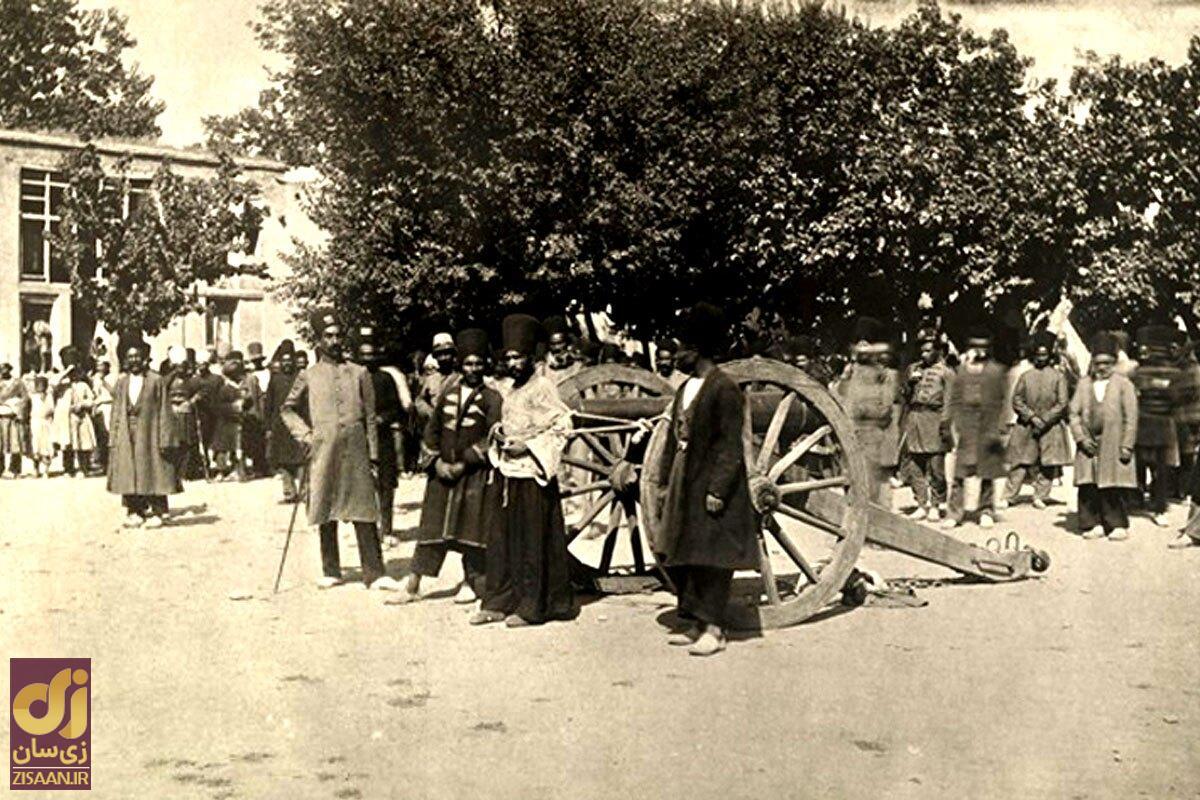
488,430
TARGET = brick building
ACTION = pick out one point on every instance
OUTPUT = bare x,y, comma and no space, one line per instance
34,282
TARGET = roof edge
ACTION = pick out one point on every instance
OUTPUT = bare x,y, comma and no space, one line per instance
118,147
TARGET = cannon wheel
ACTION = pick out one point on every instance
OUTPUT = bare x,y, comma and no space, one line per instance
771,465
604,483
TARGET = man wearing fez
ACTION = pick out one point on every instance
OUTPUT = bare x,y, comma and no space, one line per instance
1104,420
330,410
976,402
870,391
528,573
284,453
559,364
664,362
463,493
141,456
388,413
1156,380
1038,446
926,427
709,526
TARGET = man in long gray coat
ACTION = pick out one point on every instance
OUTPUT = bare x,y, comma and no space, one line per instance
1038,447
343,446
1104,420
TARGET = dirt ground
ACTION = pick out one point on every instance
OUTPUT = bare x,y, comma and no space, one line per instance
1079,684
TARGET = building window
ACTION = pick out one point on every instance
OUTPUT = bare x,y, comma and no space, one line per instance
218,327
41,206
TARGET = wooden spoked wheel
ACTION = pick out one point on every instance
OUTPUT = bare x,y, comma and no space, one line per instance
801,442
602,463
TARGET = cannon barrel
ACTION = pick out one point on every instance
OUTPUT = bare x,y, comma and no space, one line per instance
801,418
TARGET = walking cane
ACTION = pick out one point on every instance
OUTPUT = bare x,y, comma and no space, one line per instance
303,477
200,446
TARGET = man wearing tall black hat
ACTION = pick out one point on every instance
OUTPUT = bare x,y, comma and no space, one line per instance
708,522
801,352
926,427
528,573
1104,420
284,453
388,413
1038,447
977,396
870,392
463,493
558,364
1156,380
330,410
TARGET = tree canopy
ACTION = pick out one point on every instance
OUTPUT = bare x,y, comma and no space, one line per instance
138,261
63,68
787,160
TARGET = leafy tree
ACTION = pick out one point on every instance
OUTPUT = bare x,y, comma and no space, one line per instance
64,69
137,272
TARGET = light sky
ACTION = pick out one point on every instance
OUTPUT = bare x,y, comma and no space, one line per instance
206,61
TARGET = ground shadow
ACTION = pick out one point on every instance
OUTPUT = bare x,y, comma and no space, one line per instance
1067,521
187,522
674,623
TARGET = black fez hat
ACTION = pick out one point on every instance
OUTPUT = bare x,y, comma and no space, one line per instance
235,355
869,329
472,342
979,332
1161,336
799,346
322,318
127,340
286,348
555,325
1105,343
190,354
521,332
706,328
1042,339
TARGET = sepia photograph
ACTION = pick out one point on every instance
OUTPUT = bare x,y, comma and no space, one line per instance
547,399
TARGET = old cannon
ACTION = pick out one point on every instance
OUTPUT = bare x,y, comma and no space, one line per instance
807,476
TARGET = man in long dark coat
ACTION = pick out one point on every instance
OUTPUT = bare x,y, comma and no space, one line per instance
709,528
141,460
463,492
1156,380
1038,446
528,571
184,392
926,428
342,440
1104,420
388,411
977,396
283,451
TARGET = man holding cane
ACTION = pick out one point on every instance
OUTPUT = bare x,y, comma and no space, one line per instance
343,450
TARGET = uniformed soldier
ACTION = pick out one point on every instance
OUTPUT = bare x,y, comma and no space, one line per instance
926,429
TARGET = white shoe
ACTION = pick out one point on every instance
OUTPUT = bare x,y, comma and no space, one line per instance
711,642
933,516
1118,535
896,482
466,595
153,522
918,515
1160,520
328,582
1039,503
133,521
1092,533
986,521
1182,541
1001,504
385,583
